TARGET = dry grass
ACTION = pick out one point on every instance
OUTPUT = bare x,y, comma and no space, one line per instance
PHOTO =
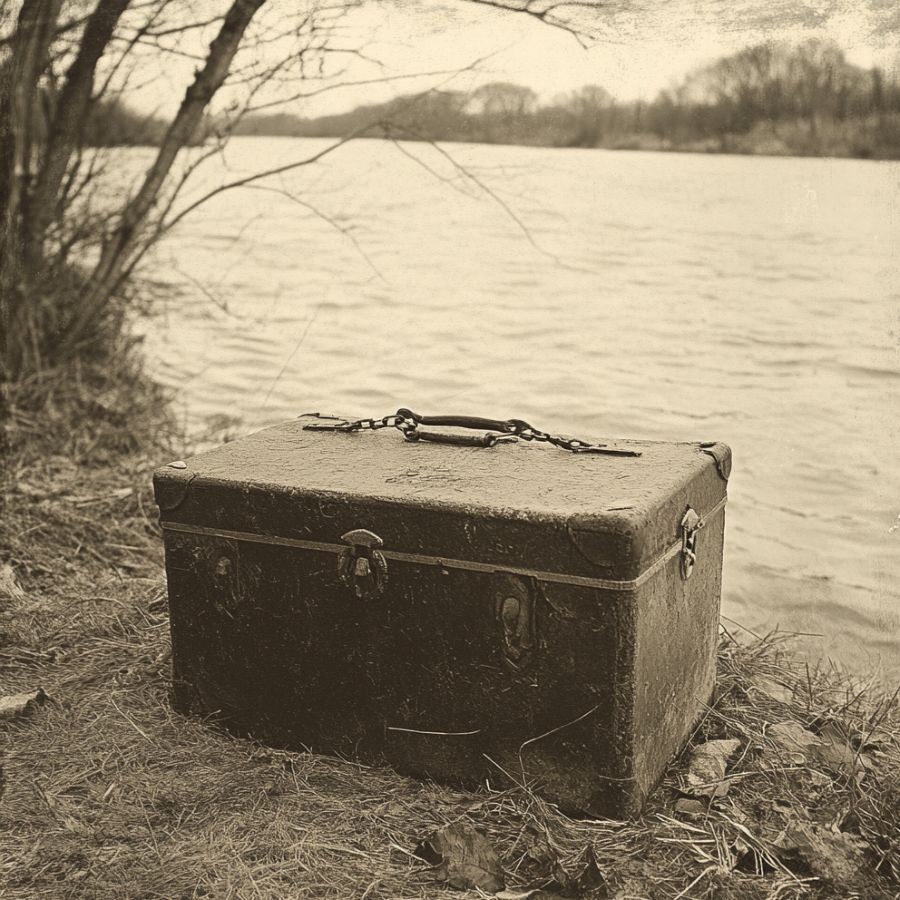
109,794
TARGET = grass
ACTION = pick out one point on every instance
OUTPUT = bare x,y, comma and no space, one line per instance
109,794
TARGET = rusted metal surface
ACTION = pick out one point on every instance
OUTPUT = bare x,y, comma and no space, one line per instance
361,565
721,453
525,609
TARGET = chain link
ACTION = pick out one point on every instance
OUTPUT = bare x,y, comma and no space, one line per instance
369,424
406,422
528,432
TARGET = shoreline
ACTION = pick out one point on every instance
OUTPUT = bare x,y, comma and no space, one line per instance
108,793
683,149
789,141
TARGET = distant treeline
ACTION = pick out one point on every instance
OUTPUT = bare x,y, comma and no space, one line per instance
772,99
111,123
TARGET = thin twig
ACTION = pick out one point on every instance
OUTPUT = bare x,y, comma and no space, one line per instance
131,722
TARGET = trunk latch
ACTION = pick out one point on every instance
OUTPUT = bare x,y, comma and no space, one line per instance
690,525
515,615
361,566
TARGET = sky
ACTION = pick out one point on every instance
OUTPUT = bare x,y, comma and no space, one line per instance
634,54
637,47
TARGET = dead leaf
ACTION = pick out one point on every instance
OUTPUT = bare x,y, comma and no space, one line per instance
9,586
832,855
463,857
20,704
630,887
589,882
705,776
545,856
785,807
770,688
540,851
831,732
591,879
792,741
741,847
877,739
833,751
690,807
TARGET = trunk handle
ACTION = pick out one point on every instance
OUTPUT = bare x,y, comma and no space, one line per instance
498,431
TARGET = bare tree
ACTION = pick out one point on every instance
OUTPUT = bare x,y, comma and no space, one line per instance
502,106
588,106
43,326
67,251
503,100
815,70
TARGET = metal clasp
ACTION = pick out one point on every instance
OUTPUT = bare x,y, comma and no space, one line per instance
331,423
361,566
690,525
721,453
514,608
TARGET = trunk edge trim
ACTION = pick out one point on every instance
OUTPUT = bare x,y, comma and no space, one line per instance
467,565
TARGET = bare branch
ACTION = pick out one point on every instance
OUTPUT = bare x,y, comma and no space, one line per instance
304,95
219,304
70,113
547,13
510,212
293,352
268,173
450,182
205,85
182,29
357,132
18,100
325,218
158,9
156,45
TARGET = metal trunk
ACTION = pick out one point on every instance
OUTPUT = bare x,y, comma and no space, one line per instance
462,613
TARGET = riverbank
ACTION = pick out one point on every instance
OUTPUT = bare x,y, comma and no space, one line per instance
108,793
871,137
868,138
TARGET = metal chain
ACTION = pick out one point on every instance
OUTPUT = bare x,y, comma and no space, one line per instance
369,424
530,433
406,421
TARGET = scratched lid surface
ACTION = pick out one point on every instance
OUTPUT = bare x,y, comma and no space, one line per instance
504,502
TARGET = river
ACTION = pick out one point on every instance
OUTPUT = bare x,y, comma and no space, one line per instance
621,294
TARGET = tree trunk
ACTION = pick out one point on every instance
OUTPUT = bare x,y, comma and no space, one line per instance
71,111
19,103
204,87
